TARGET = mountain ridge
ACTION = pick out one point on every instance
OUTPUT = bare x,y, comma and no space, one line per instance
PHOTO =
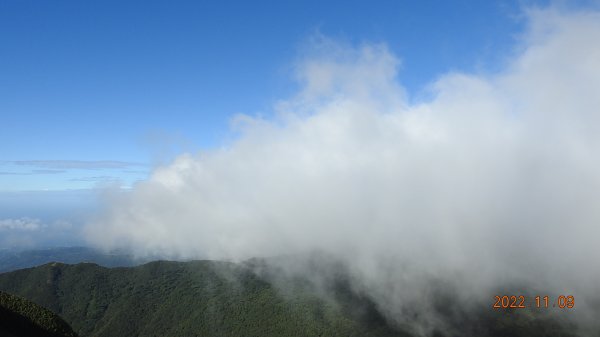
13,259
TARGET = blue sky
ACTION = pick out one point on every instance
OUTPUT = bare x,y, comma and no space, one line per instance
140,81
99,92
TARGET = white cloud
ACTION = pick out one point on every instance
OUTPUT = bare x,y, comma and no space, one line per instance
23,224
28,232
495,179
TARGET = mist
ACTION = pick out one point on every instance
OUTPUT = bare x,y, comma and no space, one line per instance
483,179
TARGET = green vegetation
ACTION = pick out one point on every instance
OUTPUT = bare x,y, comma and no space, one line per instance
207,298
199,298
20,317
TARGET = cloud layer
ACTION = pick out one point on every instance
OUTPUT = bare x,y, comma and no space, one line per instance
494,179
21,224
27,232
32,175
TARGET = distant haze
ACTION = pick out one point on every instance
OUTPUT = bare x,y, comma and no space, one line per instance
486,179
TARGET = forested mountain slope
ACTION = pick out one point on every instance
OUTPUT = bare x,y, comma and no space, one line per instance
208,298
22,318
199,298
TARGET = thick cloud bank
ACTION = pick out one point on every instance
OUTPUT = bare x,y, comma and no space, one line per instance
494,179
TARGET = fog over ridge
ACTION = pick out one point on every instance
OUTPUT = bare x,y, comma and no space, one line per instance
495,179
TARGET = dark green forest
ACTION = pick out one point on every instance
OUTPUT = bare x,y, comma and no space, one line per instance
208,298
22,318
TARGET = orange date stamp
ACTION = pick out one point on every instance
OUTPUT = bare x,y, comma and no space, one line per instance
522,302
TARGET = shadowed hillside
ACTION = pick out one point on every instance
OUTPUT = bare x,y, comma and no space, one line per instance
22,318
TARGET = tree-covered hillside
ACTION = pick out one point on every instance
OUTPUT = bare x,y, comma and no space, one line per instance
22,318
199,298
207,298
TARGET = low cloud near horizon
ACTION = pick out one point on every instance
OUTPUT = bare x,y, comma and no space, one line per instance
494,179
28,232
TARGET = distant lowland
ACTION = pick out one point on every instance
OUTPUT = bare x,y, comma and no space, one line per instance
212,298
13,259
